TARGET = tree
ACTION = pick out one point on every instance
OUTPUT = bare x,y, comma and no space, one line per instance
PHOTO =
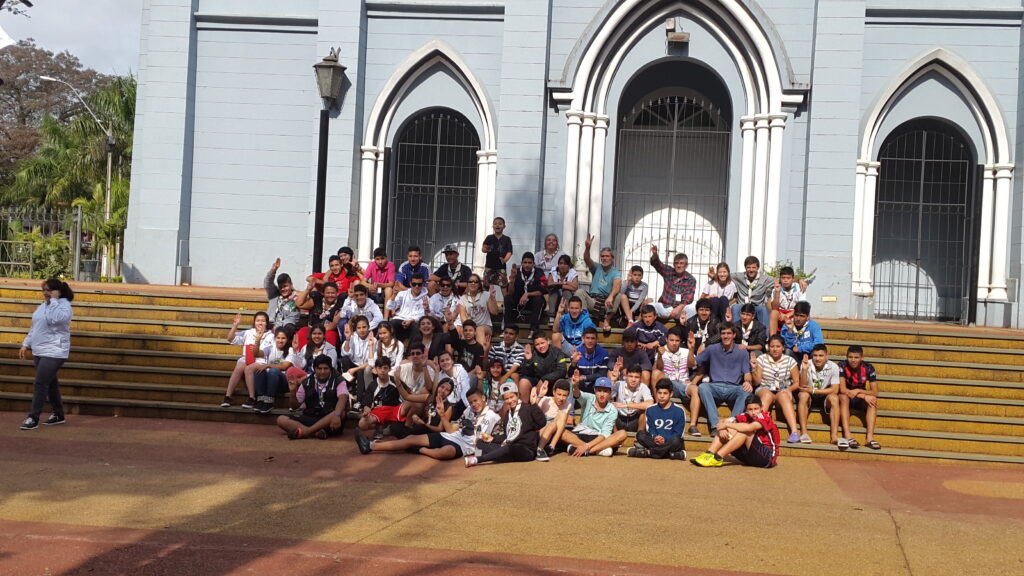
15,6
25,99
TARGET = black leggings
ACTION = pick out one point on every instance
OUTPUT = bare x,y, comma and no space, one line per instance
507,453
674,444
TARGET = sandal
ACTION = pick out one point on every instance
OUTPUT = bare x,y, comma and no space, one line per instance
874,445
843,443
854,444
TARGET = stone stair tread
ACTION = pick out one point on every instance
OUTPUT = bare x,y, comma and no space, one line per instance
952,417
935,347
140,403
928,434
128,368
951,398
110,320
158,337
952,381
938,364
114,384
137,352
147,290
922,329
157,307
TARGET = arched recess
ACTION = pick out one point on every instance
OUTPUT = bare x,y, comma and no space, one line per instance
611,36
994,154
373,166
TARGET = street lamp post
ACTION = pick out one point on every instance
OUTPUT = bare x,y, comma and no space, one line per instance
108,129
329,76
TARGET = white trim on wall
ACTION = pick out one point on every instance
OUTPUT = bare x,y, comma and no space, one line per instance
995,156
421,61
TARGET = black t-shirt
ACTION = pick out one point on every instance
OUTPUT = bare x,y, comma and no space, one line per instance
469,355
318,316
499,248
437,343
533,282
462,273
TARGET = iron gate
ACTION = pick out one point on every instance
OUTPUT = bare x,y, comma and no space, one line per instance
924,264
671,184
434,193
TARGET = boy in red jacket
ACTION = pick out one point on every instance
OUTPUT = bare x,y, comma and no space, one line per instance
752,438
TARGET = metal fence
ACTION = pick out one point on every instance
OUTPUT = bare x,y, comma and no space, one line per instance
16,259
61,247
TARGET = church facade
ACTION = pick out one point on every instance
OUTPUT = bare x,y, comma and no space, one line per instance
873,142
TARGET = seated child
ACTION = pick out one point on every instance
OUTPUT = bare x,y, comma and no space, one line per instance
858,390
703,326
721,292
595,433
569,328
590,359
257,337
381,401
752,438
458,439
787,293
671,365
819,387
521,423
661,427
379,277
556,410
324,397
801,333
650,334
634,294
631,397
750,334
776,378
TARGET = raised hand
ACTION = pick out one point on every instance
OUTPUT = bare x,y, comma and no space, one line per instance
528,352
588,242
654,249
576,356
711,272
276,265
348,330
237,320
691,341
542,388
576,376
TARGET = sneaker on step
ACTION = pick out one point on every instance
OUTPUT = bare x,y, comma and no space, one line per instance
542,456
693,431
226,402
607,452
249,404
806,439
30,423
471,461
793,438
53,420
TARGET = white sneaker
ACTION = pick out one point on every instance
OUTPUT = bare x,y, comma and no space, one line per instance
607,452
470,461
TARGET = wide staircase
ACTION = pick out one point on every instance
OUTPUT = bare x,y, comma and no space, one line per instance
948,393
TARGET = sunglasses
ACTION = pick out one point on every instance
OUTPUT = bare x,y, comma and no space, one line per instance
416,353
473,282
446,285
417,283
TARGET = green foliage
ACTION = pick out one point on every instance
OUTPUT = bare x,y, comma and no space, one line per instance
51,256
773,270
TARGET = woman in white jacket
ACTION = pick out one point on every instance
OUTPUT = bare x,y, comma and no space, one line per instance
49,339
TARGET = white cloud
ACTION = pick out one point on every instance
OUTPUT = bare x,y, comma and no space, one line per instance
103,34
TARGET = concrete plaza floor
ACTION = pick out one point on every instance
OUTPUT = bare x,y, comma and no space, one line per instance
132,496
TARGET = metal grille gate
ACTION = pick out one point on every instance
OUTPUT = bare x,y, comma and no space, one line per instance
671,184
923,266
434,195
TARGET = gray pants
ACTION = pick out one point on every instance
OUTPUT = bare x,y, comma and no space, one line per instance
46,386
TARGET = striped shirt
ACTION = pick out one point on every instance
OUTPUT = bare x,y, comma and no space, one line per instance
776,374
508,355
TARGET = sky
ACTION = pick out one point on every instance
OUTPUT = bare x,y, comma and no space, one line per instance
103,34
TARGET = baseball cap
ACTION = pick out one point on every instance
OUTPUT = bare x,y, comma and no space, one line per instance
450,248
603,382
508,387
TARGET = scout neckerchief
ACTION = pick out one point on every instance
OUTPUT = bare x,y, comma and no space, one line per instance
703,331
750,287
746,332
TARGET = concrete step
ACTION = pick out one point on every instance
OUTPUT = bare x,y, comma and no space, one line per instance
141,294
112,390
956,423
953,387
143,374
142,311
151,358
155,342
932,352
936,369
928,334
126,325
909,402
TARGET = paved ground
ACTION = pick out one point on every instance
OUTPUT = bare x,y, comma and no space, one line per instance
131,496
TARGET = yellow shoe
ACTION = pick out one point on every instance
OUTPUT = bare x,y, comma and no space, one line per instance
701,459
713,461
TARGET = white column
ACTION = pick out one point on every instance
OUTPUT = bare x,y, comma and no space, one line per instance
583,185
858,232
771,231
597,178
367,181
1001,232
492,183
746,188
379,199
867,234
985,232
760,188
574,118
483,212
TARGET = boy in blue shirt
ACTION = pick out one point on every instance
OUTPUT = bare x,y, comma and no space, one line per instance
661,427
801,333
650,334
569,327
590,359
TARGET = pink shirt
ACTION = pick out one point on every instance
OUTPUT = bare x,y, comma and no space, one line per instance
377,276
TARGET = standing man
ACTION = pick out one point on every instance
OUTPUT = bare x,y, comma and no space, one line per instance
679,290
605,284
498,248
728,374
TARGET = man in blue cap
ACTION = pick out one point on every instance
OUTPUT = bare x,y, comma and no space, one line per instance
595,433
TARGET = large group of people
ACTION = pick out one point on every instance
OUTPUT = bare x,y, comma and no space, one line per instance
507,365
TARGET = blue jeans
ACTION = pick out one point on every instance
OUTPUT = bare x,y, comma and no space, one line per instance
711,393
679,389
761,312
271,382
